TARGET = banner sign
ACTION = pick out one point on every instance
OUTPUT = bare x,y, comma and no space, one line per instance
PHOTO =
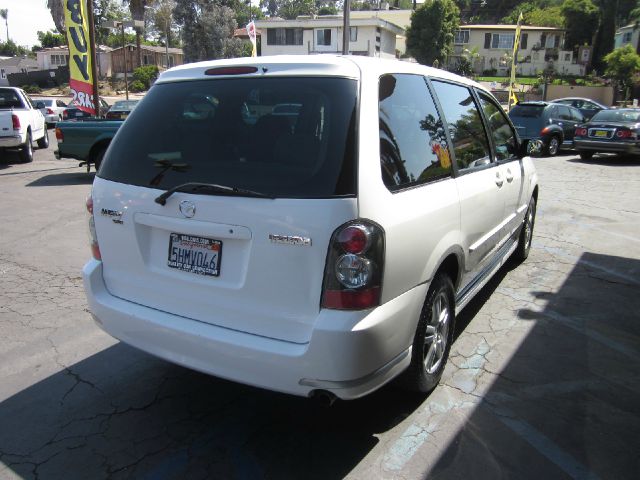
251,31
513,99
81,80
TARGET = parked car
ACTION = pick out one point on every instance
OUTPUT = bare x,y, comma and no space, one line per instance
610,131
86,141
121,109
51,108
553,124
21,123
587,107
73,112
320,261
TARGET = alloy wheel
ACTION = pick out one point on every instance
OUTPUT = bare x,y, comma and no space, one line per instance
437,333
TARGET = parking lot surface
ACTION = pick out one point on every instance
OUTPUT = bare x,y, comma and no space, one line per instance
543,379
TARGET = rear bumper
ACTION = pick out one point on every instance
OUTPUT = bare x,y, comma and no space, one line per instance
608,146
13,141
349,354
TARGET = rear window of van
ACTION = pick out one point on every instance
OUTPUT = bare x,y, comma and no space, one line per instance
284,137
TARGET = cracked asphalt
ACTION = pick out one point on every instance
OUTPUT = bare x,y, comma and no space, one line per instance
543,379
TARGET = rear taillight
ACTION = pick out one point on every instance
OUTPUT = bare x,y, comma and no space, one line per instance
353,272
49,111
625,134
60,136
581,132
16,121
65,115
93,238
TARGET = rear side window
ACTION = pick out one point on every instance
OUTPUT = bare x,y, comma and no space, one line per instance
284,137
527,111
577,115
563,112
413,144
470,144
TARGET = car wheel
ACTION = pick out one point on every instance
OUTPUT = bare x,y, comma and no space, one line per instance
98,158
526,233
433,337
586,155
44,141
26,151
553,146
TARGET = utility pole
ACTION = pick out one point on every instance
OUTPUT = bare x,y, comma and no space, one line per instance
128,24
346,30
94,55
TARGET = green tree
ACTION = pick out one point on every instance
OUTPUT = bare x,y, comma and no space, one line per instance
580,21
51,39
430,35
4,13
10,49
541,13
623,65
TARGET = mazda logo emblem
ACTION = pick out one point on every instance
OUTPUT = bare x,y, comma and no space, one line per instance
187,208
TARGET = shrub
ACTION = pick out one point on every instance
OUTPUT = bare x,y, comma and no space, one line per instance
146,75
137,86
31,88
490,72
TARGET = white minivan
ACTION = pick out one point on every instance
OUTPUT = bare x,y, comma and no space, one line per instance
320,253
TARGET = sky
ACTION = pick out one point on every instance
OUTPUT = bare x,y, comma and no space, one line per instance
25,17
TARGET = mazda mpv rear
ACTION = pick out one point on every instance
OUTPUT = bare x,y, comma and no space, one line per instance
315,252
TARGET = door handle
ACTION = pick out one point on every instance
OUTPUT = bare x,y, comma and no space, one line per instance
509,175
499,180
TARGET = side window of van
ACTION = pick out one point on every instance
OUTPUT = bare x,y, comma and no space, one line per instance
503,135
413,143
470,143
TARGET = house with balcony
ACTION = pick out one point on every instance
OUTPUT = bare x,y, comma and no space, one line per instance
541,49
371,36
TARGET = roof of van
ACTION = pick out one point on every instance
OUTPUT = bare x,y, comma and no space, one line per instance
350,66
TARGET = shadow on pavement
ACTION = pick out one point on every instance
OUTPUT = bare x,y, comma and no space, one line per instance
567,404
610,160
80,177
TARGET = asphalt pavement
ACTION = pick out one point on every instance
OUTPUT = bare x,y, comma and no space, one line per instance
543,379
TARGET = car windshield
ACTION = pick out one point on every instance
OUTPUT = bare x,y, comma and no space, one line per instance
532,111
233,132
124,105
617,116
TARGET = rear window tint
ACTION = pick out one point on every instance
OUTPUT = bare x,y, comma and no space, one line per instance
531,111
285,137
617,116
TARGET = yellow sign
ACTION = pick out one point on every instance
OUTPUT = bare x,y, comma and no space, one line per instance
514,61
81,80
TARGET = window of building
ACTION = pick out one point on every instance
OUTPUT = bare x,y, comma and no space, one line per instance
502,40
626,37
353,34
461,37
323,36
172,61
284,36
145,60
567,57
470,144
413,144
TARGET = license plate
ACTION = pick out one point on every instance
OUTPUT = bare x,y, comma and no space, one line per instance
601,133
193,254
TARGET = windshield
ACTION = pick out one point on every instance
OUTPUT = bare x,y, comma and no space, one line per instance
531,111
232,132
617,116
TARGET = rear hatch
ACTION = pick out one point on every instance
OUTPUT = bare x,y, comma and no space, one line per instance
528,119
247,254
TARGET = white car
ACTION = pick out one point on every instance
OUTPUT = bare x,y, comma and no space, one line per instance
319,260
51,108
21,123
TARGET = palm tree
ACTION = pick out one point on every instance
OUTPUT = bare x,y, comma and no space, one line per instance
4,13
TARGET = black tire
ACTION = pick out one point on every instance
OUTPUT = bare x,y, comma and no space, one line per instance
433,337
44,141
526,233
98,158
26,151
553,146
586,155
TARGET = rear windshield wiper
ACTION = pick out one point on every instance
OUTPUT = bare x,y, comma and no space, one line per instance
209,187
